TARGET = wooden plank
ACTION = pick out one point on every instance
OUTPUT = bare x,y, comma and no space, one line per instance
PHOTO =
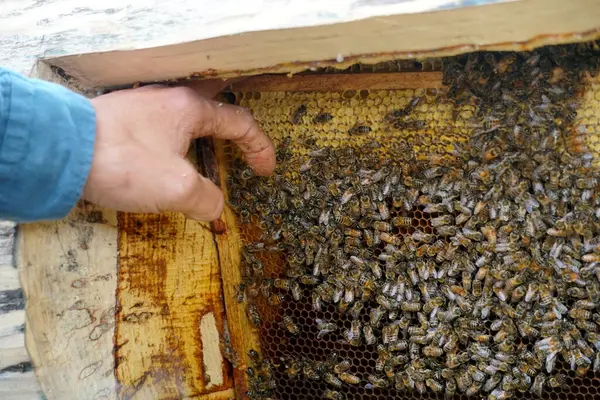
32,29
69,275
338,82
17,386
170,314
505,26
242,335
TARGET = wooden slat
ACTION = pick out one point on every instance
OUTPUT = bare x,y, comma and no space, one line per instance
170,314
338,82
243,336
69,274
517,25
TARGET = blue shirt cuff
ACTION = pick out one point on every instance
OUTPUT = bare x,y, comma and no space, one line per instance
46,148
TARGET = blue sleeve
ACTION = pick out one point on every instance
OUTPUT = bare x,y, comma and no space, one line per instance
46,145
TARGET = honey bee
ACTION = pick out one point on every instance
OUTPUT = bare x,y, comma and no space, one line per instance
281,283
545,295
297,115
578,313
391,239
353,335
434,385
384,211
325,327
382,226
293,368
389,333
420,236
275,299
575,292
349,378
240,293
442,220
359,129
322,118
332,380
369,335
430,351
447,230
376,382
253,314
289,325
499,394
557,380
410,307
532,290
450,389
596,364
332,395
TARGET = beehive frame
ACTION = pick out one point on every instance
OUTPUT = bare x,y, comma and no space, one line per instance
274,103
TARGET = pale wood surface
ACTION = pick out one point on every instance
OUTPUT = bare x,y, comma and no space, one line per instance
32,29
69,274
515,25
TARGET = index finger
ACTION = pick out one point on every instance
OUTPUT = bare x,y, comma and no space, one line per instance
226,121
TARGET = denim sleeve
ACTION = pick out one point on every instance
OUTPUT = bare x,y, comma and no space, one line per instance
46,146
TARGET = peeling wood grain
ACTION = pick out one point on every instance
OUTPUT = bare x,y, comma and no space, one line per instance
64,321
212,359
169,278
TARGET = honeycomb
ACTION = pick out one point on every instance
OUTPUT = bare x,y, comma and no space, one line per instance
438,126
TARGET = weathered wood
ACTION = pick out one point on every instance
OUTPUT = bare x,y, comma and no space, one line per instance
12,306
330,82
69,274
507,26
32,29
170,314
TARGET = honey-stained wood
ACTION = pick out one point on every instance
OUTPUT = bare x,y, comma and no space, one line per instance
170,318
241,336
333,82
69,275
384,33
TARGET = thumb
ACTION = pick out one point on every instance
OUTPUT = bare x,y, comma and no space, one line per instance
194,195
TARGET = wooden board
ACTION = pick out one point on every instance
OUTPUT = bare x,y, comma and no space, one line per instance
242,335
505,26
170,317
32,29
331,83
69,274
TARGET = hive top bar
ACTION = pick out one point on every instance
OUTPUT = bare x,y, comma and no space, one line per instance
167,42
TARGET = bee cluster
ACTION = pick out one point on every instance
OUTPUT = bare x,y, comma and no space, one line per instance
476,274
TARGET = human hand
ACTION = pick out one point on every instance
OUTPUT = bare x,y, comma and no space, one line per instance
142,138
